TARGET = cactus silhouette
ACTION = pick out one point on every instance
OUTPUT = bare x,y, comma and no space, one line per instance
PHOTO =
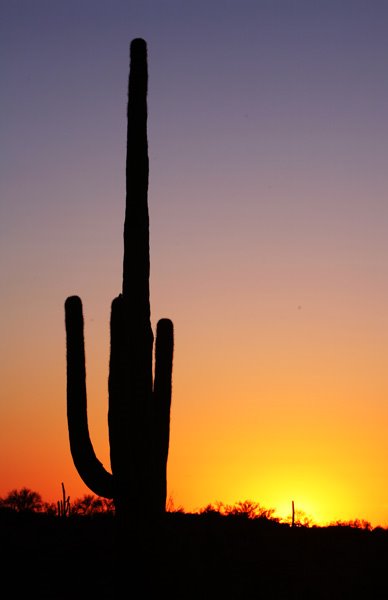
63,506
139,395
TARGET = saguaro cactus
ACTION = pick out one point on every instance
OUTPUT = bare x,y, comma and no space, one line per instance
139,399
63,506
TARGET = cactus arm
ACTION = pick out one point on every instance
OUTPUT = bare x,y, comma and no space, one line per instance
88,466
164,349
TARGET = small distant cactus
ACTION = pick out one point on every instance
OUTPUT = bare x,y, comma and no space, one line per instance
139,400
63,506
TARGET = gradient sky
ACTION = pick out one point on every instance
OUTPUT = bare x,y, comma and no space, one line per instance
268,140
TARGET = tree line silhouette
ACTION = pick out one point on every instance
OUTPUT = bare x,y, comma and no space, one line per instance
24,501
233,552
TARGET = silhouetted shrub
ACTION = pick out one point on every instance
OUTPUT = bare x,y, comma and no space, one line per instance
23,501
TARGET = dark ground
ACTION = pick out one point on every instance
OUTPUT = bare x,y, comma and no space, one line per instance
202,556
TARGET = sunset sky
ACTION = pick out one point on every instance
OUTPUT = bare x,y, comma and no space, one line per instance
268,143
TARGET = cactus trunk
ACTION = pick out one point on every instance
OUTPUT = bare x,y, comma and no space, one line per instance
139,402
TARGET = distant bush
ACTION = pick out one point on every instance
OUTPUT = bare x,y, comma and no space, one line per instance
91,505
353,524
28,501
246,509
22,501
170,506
